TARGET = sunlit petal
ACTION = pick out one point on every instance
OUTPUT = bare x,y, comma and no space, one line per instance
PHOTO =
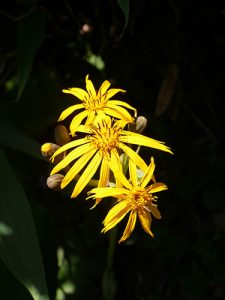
87,175
148,174
115,215
124,104
77,121
69,111
90,87
113,92
145,219
79,93
118,112
134,156
102,192
104,87
101,114
104,174
158,187
133,172
75,169
90,118
115,166
74,154
154,211
84,129
141,140
130,226
69,146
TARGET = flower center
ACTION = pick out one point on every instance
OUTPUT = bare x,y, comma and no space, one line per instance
94,103
139,198
105,137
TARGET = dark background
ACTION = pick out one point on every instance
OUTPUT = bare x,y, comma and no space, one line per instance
170,59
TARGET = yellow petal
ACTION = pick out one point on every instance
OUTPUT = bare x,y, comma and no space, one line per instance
90,87
116,167
145,219
69,146
70,157
148,174
90,117
118,112
154,211
133,172
77,121
104,87
121,103
141,140
101,115
87,174
157,187
104,174
134,156
130,226
102,192
79,93
84,129
78,165
104,177
69,111
115,215
121,123
113,92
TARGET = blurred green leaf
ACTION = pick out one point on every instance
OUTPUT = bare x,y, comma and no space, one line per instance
125,7
30,36
19,248
12,138
11,288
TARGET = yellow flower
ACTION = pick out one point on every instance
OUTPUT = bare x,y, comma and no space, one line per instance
96,103
135,198
100,146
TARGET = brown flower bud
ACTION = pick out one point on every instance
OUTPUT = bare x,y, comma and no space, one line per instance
54,181
62,136
48,149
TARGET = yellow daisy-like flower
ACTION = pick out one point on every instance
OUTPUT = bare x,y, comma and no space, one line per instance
135,198
96,103
104,138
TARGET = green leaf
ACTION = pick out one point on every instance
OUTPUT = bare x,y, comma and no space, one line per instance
11,288
19,248
12,138
125,7
30,36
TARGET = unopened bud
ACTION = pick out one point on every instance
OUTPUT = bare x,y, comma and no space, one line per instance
48,149
54,181
62,136
141,124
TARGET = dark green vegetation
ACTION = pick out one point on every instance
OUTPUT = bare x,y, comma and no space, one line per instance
170,59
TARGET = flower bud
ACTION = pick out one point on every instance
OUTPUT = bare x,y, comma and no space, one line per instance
54,181
48,149
62,136
141,124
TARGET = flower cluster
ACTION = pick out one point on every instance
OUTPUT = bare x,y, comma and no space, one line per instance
100,139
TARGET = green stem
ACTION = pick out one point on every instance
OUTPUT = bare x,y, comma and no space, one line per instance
111,248
108,280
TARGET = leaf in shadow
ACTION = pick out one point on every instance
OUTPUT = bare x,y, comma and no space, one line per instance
125,7
19,247
29,38
13,138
